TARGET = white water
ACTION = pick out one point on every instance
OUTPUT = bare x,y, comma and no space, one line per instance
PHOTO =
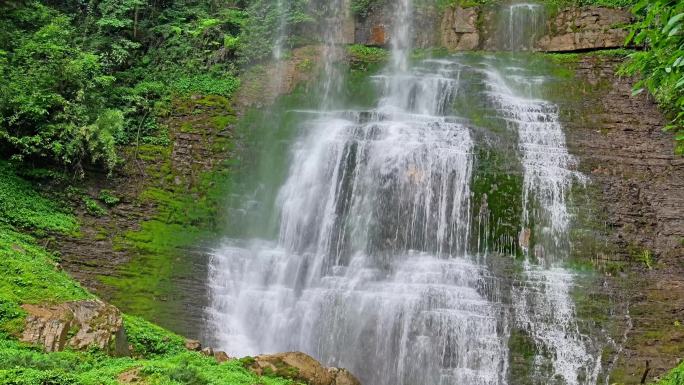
520,25
372,268
542,302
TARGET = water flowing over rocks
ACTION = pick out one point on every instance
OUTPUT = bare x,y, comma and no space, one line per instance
80,325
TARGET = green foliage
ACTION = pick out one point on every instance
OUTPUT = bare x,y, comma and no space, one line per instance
646,258
265,21
29,274
93,208
207,85
365,54
363,8
149,340
675,377
661,65
107,197
53,101
22,206
24,365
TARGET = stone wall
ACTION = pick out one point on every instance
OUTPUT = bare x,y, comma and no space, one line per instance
587,28
459,29
572,29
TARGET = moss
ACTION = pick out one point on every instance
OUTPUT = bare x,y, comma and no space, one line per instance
187,212
222,121
522,351
30,274
499,189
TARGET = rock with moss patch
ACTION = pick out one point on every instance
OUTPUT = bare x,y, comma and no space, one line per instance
79,324
300,367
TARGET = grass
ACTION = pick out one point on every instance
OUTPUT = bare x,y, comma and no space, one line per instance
23,207
30,274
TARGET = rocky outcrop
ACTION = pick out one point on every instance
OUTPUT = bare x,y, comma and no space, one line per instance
375,27
586,28
79,325
572,29
459,30
301,367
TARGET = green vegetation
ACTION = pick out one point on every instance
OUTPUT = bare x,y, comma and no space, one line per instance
23,365
362,57
363,8
30,274
79,82
675,377
660,28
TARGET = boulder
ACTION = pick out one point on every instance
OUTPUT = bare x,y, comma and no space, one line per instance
221,356
209,352
78,324
301,367
193,345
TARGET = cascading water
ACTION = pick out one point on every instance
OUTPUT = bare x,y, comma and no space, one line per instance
520,25
373,267
542,303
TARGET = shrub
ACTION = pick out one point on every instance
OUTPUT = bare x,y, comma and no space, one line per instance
660,28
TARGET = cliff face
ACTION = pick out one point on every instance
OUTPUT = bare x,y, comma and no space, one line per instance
587,28
571,29
640,192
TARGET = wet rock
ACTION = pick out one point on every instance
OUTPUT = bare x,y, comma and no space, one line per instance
130,377
640,184
301,367
343,377
79,324
193,345
459,30
209,352
524,238
375,27
575,29
221,356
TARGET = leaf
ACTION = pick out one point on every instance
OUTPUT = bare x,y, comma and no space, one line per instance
680,82
637,91
673,20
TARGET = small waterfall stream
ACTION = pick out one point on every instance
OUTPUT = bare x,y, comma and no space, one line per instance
375,267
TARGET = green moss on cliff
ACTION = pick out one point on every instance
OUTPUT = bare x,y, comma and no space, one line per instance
30,274
183,187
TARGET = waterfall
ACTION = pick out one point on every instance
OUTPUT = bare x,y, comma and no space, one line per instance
520,25
335,13
542,301
373,268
